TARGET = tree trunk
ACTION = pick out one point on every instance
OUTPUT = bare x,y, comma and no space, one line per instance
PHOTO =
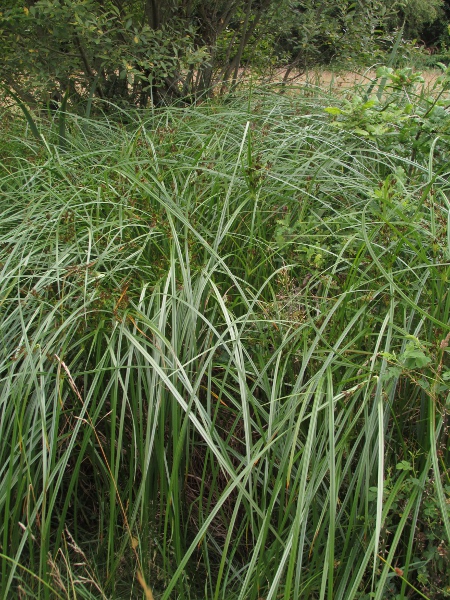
152,13
242,42
247,33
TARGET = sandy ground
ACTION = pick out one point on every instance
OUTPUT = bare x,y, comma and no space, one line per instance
329,80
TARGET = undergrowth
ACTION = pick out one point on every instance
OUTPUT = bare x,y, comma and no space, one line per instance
224,350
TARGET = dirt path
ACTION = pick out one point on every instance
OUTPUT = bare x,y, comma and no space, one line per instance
334,81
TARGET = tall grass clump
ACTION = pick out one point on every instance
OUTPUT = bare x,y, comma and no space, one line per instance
224,341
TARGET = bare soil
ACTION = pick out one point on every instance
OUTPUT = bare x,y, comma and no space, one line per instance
334,81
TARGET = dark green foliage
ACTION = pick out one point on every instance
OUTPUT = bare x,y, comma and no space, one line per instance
154,53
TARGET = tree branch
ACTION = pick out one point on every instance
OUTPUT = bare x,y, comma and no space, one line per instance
86,64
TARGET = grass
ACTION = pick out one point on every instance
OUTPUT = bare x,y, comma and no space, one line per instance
224,350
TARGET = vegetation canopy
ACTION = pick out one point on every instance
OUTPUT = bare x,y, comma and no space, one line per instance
152,52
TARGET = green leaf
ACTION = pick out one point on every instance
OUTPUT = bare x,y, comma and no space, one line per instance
26,112
414,358
404,465
333,110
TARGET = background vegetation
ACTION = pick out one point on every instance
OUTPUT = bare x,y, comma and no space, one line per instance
153,52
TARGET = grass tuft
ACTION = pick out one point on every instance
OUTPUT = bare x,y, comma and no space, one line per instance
224,351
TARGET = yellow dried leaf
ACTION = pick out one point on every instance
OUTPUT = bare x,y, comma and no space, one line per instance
147,590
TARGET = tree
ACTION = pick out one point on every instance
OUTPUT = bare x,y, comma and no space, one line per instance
158,51
117,50
417,14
